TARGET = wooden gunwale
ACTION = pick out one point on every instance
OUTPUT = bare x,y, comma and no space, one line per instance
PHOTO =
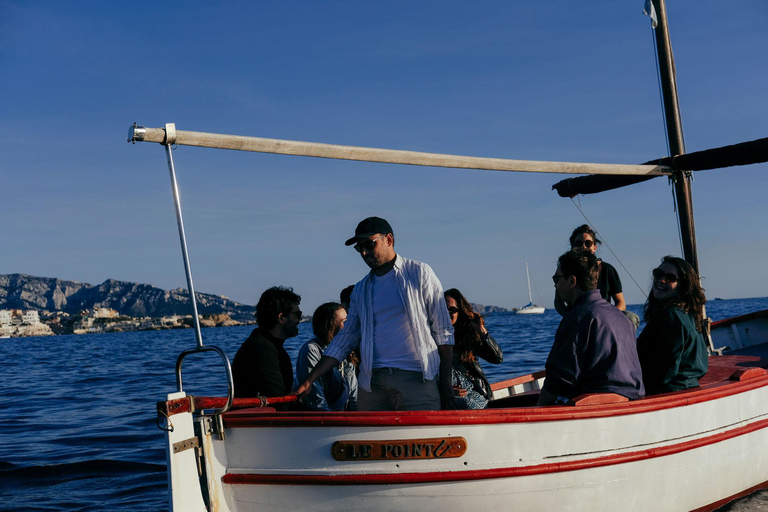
255,418
739,319
518,380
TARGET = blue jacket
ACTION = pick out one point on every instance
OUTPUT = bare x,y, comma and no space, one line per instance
594,352
335,390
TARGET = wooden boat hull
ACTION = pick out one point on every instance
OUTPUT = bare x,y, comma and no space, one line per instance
680,451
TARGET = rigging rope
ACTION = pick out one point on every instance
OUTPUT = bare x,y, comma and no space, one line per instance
578,207
671,179
537,293
661,91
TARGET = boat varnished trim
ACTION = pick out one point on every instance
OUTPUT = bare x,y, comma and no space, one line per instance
739,319
518,380
251,418
480,474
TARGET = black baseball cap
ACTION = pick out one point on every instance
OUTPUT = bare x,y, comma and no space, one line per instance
368,227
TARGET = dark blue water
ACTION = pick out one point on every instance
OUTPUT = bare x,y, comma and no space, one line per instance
77,429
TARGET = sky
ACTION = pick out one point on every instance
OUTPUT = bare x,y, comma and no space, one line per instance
547,80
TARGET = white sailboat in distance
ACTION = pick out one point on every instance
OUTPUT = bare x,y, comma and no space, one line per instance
530,308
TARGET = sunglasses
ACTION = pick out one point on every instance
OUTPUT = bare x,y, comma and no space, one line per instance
453,310
668,277
297,313
368,245
556,278
586,243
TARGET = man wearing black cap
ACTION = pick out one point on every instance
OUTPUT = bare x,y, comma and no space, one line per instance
399,321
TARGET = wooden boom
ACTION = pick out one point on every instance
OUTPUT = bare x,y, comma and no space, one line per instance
169,135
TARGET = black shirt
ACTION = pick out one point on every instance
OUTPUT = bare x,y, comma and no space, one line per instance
608,282
262,367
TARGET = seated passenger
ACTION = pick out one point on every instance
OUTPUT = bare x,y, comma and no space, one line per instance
672,350
472,341
261,365
345,296
594,349
337,389
608,281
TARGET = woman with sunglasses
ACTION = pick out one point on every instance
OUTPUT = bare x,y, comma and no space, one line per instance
472,341
671,348
608,281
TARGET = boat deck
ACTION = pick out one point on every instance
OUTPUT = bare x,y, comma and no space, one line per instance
721,368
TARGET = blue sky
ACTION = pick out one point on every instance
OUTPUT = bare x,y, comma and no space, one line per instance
523,80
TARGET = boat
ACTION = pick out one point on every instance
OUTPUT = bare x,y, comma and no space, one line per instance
530,308
694,449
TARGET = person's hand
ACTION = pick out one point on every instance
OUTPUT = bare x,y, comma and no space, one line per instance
458,391
478,324
302,390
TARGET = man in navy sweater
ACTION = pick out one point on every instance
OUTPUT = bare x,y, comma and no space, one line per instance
594,349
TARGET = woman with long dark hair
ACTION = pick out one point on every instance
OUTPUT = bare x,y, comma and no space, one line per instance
672,349
608,281
337,389
472,341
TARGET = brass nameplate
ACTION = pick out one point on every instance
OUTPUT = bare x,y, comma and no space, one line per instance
401,449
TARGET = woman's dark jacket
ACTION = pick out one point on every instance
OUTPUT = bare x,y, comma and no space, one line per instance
673,354
491,352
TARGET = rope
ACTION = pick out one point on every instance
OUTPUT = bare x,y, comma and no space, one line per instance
537,292
169,427
661,93
677,217
578,207
666,135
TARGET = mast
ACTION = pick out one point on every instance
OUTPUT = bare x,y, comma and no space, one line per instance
681,178
528,276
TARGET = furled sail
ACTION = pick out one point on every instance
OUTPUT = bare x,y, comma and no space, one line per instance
745,153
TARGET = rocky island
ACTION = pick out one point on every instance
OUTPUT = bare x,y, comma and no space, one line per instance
67,307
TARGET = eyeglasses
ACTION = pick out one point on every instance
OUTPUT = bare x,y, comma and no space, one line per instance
452,310
668,276
556,277
586,243
368,245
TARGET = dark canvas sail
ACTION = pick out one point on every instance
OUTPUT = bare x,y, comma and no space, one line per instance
745,153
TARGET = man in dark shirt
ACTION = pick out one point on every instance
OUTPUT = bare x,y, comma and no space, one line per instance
594,349
261,365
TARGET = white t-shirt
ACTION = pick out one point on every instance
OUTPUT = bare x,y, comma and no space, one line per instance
393,342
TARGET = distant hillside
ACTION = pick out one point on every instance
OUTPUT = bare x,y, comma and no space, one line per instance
485,310
131,299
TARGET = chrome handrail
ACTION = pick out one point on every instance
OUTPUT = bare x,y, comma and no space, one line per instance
227,367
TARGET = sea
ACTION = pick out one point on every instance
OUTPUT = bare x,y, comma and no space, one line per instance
78,426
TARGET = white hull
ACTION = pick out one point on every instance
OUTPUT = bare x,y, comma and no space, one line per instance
680,451
742,332
532,310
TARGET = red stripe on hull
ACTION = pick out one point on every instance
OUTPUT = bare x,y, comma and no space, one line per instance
454,476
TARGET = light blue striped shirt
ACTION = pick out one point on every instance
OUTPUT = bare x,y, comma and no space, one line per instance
422,296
